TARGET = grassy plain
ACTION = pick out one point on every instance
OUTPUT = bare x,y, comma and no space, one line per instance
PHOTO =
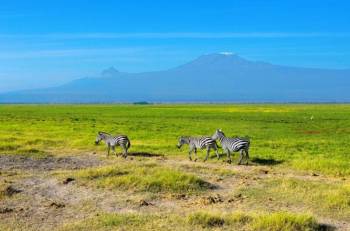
297,179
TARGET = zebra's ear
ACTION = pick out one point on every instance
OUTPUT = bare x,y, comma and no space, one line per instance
220,130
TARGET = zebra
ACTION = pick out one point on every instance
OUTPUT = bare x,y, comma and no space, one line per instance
112,141
233,145
199,143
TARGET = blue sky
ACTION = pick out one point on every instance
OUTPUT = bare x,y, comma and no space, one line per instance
45,43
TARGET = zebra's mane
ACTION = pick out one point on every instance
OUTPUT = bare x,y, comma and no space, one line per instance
187,138
104,133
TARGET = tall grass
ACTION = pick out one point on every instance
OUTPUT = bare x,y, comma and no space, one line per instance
242,221
200,220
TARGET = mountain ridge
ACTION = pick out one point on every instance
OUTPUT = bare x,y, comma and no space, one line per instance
209,78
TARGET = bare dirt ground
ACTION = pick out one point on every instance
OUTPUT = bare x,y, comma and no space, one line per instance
17,162
37,200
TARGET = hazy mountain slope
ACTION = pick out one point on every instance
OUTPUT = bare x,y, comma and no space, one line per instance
215,77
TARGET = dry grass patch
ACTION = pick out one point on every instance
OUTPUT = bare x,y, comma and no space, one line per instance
323,198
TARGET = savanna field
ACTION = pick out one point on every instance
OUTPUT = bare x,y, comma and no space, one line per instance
53,176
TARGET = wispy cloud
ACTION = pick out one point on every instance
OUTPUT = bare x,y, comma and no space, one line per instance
171,35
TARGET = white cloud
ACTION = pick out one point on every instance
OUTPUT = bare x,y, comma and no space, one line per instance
226,53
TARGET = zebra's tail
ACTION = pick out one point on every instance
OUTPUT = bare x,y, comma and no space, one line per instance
129,144
247,138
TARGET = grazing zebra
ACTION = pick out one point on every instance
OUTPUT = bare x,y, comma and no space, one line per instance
112,141
198,143
233,145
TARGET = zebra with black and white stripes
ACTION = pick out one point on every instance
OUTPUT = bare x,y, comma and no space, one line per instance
195,143
233,145
113,141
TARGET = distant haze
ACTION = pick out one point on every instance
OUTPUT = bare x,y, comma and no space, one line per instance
222,77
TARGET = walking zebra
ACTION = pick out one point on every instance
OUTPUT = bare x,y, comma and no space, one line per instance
112,141
198,143
233,145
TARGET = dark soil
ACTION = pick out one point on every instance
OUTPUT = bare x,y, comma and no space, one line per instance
19,162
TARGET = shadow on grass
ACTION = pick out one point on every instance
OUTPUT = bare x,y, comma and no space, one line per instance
213,156
268,161
326,227
145,154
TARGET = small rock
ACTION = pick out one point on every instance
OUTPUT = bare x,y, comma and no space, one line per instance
212,199
238,195
144,203
315,174
264,171
181,196
69,179
10,190
57,205
6,210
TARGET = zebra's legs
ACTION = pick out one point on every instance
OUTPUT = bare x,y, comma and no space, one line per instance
206,157
195,153
217,153
190,153
229,160
240,156
108,149
246,155
125,151
113,149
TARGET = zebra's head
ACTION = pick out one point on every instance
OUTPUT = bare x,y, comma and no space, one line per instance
218,134
182,141
100,136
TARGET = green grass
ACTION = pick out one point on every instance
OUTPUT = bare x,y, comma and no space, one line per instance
279,132
284,139
323,198
243,221
142,177
281,221
124,222
285,221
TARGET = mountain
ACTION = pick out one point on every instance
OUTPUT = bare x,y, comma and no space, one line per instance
209,78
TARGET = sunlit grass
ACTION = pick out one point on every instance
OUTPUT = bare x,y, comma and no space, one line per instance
142,177
324,198
198,221
304,137
248,221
